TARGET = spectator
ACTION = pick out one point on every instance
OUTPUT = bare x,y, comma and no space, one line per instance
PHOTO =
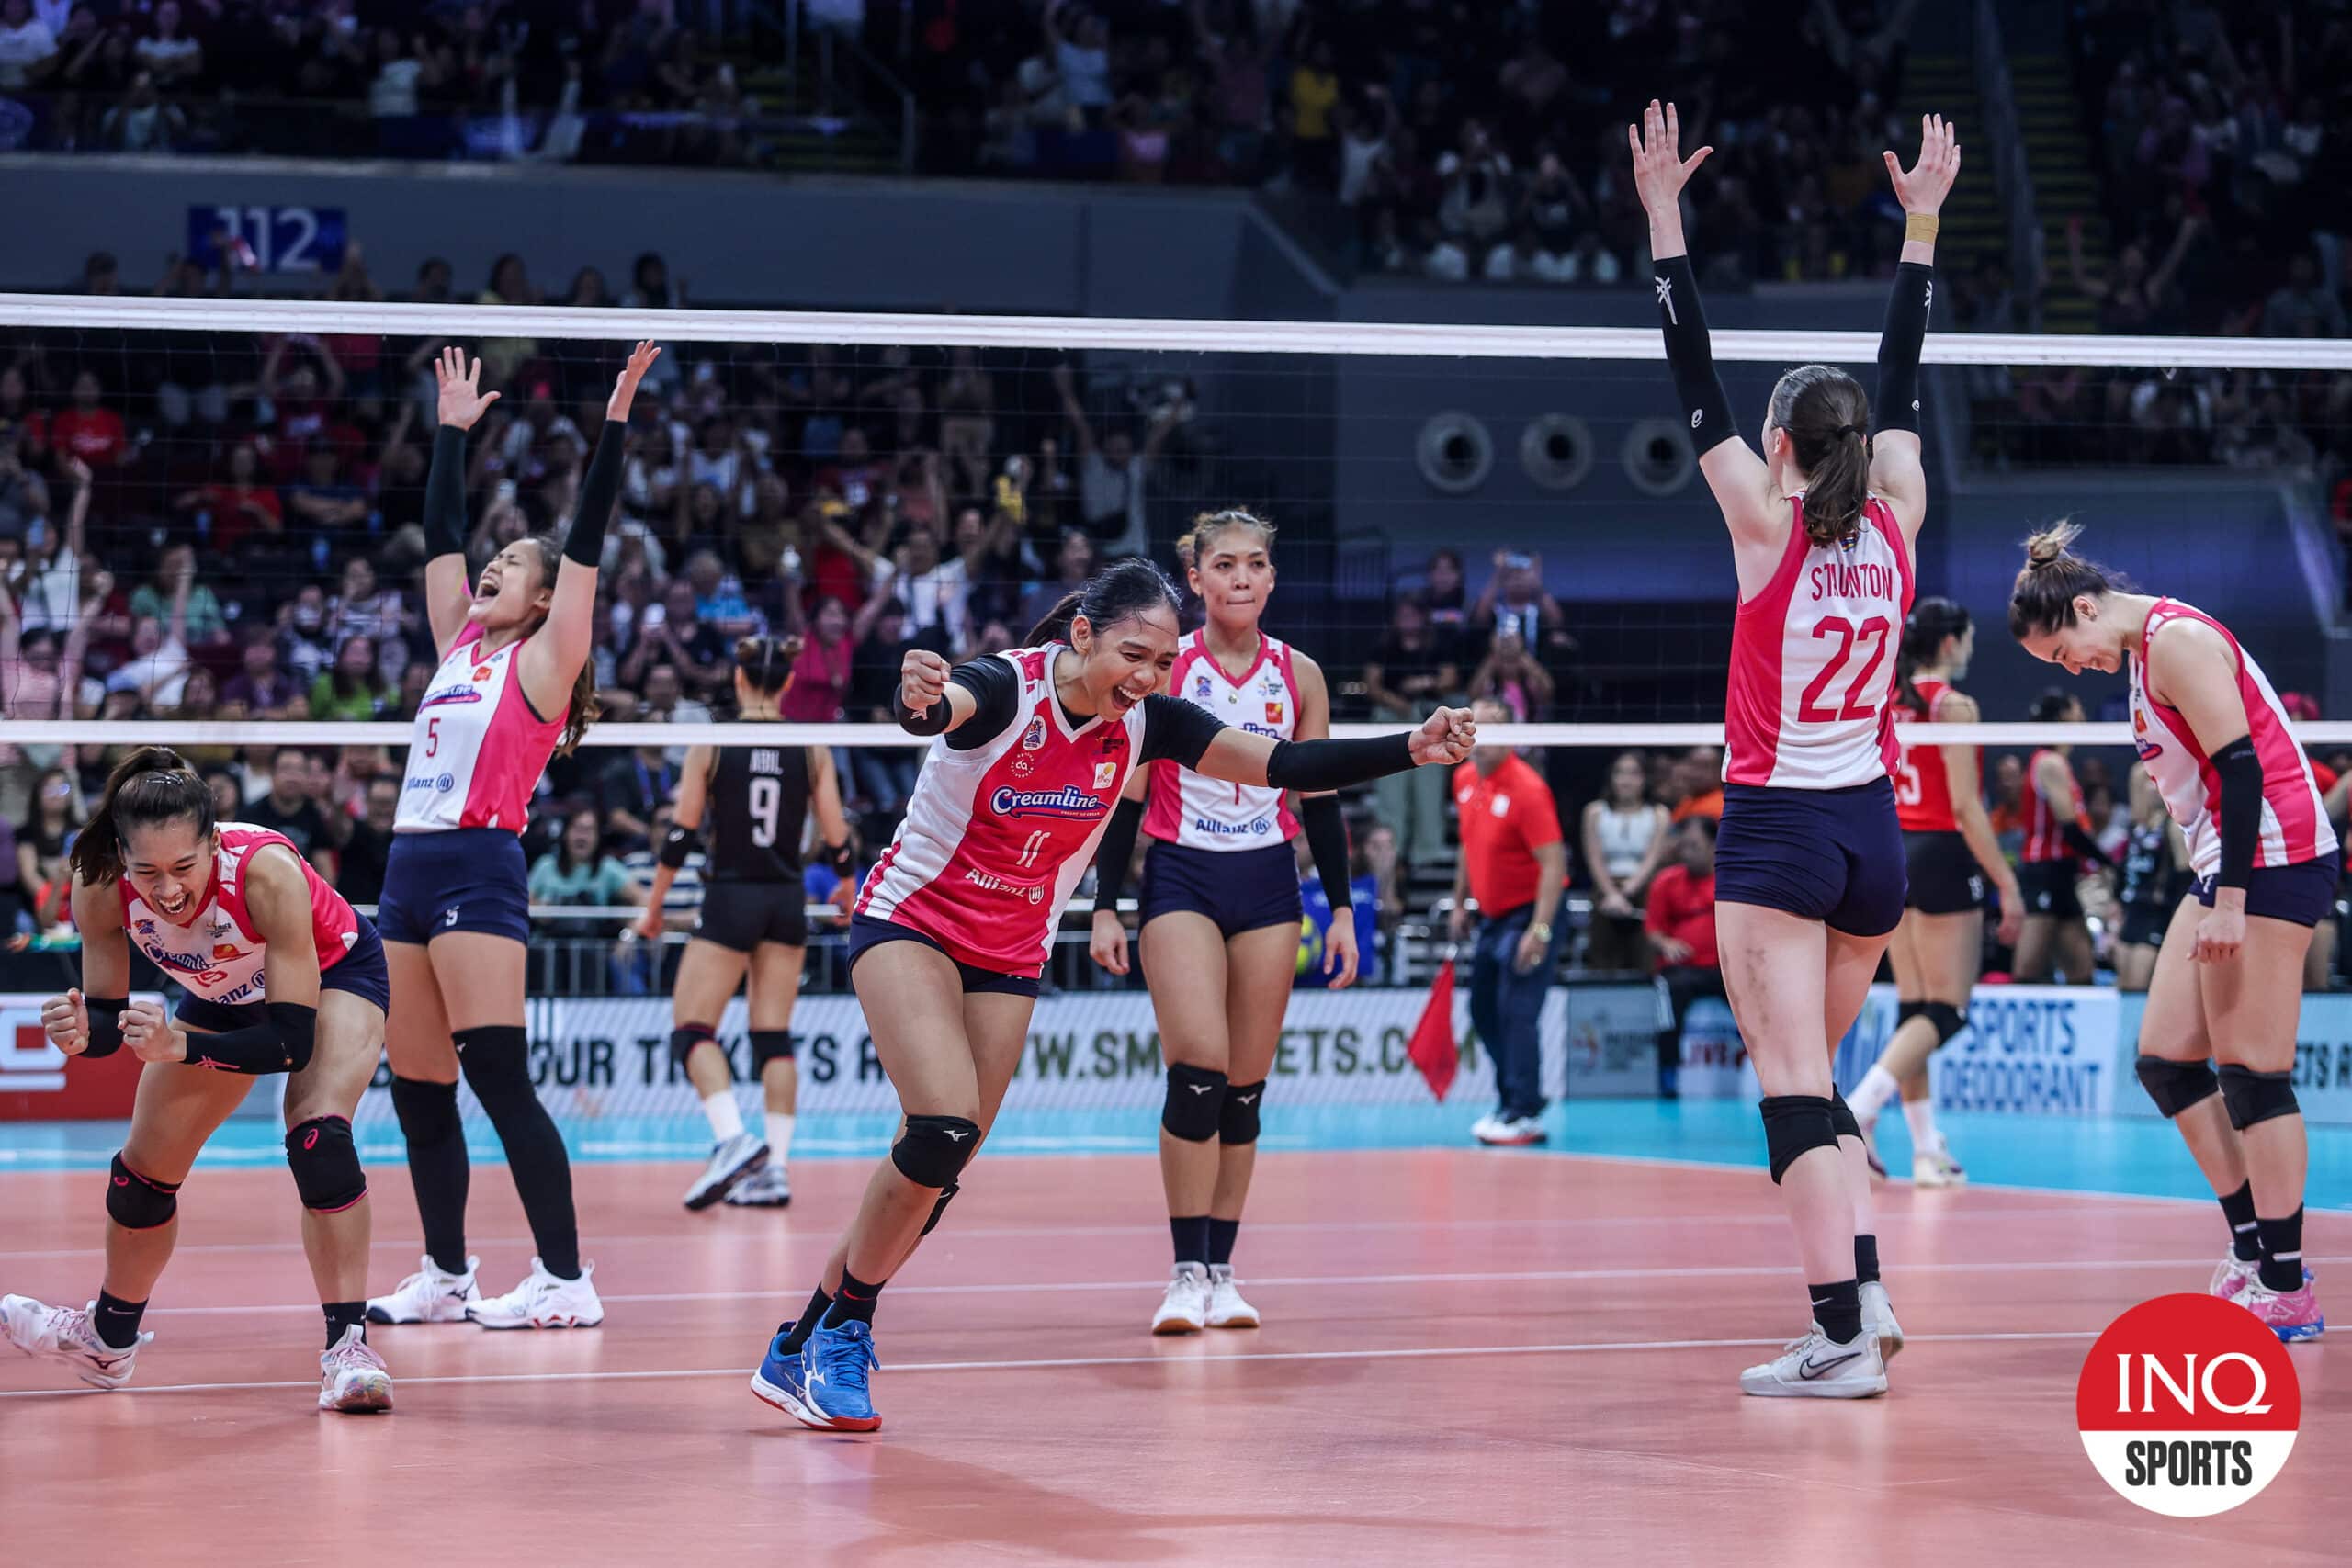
228,511
1625,838
1113,476
43,843
169,51
1512,679
2303,306
933,592
351,692
227,792
36,682
158,665
1314,922
360,876
143,120
1414,669
819,689
1680,920
89,431
28,48
1314,95
289,808
1073,564
52,581
206,627
579,873
698,654
633,785
304,647
884,777
364,608
989,552
1513,864
260,688
1445,591
1080,43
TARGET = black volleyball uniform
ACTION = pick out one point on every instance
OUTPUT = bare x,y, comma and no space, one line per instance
2152,885
757,807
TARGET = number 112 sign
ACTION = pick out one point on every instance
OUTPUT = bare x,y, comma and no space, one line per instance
267,239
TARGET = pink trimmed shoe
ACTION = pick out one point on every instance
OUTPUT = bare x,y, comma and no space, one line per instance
2291,1315
2232,1275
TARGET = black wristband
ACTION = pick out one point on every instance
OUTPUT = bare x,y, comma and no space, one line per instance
1326,839
585,543
676,845
284,1044
2239,772
933,720
844,858
1896,407
106,1024
1336,764
1115,854
1688,355
445,494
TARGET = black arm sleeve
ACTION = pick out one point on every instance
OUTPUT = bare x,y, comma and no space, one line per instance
1326,841
2240,771
1335,764
1116,853
1897,405
284,1044
1176,731
585,543
1688,354
2082,843
996,699
445,494
106,1024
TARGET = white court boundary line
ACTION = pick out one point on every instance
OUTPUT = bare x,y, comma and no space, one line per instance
1417,1352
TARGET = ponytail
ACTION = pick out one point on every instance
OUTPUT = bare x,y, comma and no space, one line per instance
1933,622
1827,419
152,786
585,706
2042,600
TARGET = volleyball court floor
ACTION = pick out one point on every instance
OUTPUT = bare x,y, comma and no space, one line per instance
1469,1357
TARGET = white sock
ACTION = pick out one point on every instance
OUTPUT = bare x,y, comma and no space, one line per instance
726,1117
1921,1115
1871,1095
779,1135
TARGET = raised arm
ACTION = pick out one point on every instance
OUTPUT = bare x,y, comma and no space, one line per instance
447,592
1236,756
1896,472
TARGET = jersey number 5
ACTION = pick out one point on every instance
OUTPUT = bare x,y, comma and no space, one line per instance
432,738
1907,788
1857,704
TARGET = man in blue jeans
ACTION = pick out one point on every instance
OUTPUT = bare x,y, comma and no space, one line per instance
1515,864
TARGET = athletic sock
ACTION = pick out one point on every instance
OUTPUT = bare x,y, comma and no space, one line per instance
116,1321
1920,1114
2283,1253
2245,1238
778,1133
1839,1309
342,1316
1221,1235
725,1116
1865,1260
496,1060
1190,1235
1871,1095
854,1301
796,1334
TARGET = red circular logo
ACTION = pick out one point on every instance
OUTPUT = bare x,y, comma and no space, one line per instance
2188,1406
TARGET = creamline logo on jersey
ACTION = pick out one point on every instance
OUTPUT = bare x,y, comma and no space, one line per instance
450,695
1067,801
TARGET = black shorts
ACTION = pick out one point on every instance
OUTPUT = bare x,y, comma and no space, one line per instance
1945,877
1241,890
866,933
738,916
466,879
2049,889
1832,855
2302,893
361,971
2144,924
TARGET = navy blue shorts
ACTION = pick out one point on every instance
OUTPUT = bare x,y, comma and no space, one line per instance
2302,893
866,933
467,879
1241,890
361,971
1832,855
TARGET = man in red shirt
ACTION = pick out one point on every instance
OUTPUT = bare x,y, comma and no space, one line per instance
1514,863
1681,924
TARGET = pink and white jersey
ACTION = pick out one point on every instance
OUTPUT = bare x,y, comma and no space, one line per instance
1813,661
996,838
1198,812
217,953
477,749
2294,821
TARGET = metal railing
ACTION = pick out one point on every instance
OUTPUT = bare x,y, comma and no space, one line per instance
832,45
2012,176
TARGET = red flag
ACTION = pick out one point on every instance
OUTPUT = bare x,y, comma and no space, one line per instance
1433,1047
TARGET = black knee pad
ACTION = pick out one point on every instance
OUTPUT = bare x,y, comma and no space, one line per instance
934,1149
940,1208
326,1165
1906,1012
683,1039
772,1045
1237,1121
496,1060
1195,1103
136,1203
1949,1020
1794,1124
2254,1098
1841,1116
428,1111
2176,1086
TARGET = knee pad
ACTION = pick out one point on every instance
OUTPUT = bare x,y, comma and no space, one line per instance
683,1039
428,1111
136,1203
940,1208
496,1062
1237,1121
934,1149
1794,1125
2254,1098
326,1165
772,1045
1195,1103
2176,1086
1841,1117
1906,1012
1949,1020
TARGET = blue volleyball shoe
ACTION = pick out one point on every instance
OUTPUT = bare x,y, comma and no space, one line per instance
827,1382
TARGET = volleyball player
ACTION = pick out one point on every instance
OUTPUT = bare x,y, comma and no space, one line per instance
2049,864
282,976
1951,859
753,921
514,688
1809,870
2149,887
1220,911
2229,976
1030,750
